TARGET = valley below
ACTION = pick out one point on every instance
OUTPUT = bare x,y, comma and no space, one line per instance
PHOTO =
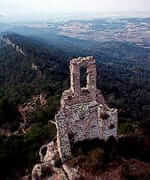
34,71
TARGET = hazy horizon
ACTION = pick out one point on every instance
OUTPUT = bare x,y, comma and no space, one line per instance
18,10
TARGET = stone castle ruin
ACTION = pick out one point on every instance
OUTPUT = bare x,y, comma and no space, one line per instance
83,113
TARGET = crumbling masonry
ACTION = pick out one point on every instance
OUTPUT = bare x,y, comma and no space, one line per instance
83,113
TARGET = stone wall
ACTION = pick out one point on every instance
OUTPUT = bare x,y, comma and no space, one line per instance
83,113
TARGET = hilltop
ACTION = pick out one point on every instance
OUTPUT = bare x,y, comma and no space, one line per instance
123,76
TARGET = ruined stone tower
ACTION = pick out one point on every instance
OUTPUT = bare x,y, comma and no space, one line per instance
83,113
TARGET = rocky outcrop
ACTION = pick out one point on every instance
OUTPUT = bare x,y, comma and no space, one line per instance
36,103
83,115
48,168
7,41
86,167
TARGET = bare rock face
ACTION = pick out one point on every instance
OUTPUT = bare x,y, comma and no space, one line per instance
18,49
83,113
47,168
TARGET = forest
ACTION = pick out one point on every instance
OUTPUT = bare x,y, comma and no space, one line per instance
123,76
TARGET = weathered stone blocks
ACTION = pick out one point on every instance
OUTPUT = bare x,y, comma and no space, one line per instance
83,113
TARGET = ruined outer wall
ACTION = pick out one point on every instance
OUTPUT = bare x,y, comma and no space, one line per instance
83,113
63,142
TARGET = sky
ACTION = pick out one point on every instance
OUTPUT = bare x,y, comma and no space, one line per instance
37,8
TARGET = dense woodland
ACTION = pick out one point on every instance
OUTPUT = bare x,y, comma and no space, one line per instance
123,76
